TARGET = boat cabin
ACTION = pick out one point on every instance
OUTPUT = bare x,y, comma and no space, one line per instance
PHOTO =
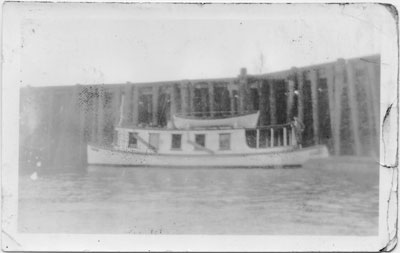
211,140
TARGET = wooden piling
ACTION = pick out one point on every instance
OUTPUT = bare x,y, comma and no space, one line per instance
94,112
116,105
272,102
100,115
231,97
241,106
225,101
339,84
173,100
211,99
262,103
374,90
81,107
191,101
232,101
290,99
155,97
374,75
127,112
300,95
242,91
50,127
371,118
353,103
204,100
184,98
329,70
249,98
314,98
135,105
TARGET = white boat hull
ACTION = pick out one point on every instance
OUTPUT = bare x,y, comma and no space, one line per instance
293,157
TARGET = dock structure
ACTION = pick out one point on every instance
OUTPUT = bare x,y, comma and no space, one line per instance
338,102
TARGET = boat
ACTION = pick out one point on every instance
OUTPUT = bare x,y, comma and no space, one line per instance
214,143
248,120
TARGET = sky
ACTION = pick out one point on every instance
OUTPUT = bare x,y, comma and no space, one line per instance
68,44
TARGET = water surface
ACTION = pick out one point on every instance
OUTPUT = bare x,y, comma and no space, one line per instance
322,198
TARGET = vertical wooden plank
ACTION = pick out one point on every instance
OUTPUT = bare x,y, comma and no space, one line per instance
50,127
135,104
95,105
116,108
173,100
272,102
204,100
211,99
300,98
242,91
232,102
290,99
192,107
314,98
231,98
127,118
353,103
241,94
184,99
249,98
155,97
374,85
262,103
225,101
365,86
331,101
81,106
338,90
100,117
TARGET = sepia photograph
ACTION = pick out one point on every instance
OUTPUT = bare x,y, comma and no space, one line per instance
187,125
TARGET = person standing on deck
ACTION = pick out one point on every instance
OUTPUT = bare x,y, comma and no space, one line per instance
298,127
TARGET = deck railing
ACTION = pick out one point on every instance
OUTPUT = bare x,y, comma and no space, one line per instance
271,136
201,114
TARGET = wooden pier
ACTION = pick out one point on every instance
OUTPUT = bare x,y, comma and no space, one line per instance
338,102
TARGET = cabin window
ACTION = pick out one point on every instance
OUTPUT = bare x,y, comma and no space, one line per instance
176,141
154,139
251,138
200,140
278,135
224,141
132,143
263,138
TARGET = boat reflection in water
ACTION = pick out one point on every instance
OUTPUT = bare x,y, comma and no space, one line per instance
218,142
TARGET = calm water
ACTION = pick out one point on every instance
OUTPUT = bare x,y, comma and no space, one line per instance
328,198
